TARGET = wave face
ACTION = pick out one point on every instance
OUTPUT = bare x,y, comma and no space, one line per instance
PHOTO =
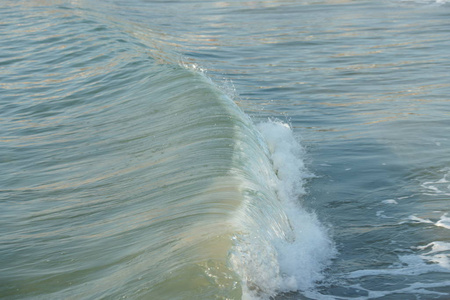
128,173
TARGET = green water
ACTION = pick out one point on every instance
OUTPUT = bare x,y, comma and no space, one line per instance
137,159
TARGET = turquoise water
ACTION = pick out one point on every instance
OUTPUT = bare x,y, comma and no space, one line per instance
224,150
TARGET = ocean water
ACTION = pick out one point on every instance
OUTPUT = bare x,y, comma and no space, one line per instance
225,149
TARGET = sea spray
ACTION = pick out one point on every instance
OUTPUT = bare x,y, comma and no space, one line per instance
302,260
290,248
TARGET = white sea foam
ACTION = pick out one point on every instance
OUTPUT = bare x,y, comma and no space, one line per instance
292,263
444,221
303,259
411,265
439,253
389,201
419,220
436,260
436,247
417,288
439,187
380,214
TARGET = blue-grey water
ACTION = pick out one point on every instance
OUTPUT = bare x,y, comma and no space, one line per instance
225,149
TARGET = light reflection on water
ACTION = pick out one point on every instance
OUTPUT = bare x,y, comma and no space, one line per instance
365,83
